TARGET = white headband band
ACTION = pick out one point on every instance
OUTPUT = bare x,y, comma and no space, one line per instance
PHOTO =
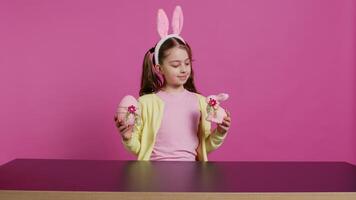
163,26
159,44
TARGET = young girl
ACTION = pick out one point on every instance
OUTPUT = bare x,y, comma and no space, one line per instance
172,125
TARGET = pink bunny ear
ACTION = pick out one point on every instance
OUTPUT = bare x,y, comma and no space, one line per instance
177,20
222,96
162,23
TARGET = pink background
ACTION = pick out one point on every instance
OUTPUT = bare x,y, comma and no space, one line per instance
288,65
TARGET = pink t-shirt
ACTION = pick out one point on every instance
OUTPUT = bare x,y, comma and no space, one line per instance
177,137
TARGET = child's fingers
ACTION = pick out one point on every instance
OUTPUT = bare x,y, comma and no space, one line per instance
122,128
228,113
227,119
127,127
225,124
117,120
118,124
121,125
225,129
127,134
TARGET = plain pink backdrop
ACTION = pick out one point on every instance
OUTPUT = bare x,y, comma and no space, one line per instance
288,65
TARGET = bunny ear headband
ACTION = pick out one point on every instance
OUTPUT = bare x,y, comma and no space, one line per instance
163,26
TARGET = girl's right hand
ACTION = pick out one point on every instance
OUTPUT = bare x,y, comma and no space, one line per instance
125,130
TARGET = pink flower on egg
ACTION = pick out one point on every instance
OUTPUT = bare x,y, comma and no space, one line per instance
131,109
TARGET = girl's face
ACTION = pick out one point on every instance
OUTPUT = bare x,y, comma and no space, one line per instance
176,67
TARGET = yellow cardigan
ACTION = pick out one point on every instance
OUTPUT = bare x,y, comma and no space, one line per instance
144,133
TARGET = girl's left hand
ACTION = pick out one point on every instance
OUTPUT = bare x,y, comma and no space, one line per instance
225,125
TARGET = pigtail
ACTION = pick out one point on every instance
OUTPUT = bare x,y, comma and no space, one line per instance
150,80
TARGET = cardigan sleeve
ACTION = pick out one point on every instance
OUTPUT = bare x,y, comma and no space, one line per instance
133,144
213,139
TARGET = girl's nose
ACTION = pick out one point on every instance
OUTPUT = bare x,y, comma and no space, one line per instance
183,68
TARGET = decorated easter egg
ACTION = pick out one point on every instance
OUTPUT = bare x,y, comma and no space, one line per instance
128,109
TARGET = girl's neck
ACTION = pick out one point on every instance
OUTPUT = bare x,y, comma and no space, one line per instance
173,89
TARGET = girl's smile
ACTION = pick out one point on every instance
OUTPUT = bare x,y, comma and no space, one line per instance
182,77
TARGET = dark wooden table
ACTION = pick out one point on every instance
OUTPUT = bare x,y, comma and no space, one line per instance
114,179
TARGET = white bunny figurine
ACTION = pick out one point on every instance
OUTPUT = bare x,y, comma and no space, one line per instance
215,112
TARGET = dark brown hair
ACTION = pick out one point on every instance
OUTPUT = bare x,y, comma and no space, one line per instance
150,81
